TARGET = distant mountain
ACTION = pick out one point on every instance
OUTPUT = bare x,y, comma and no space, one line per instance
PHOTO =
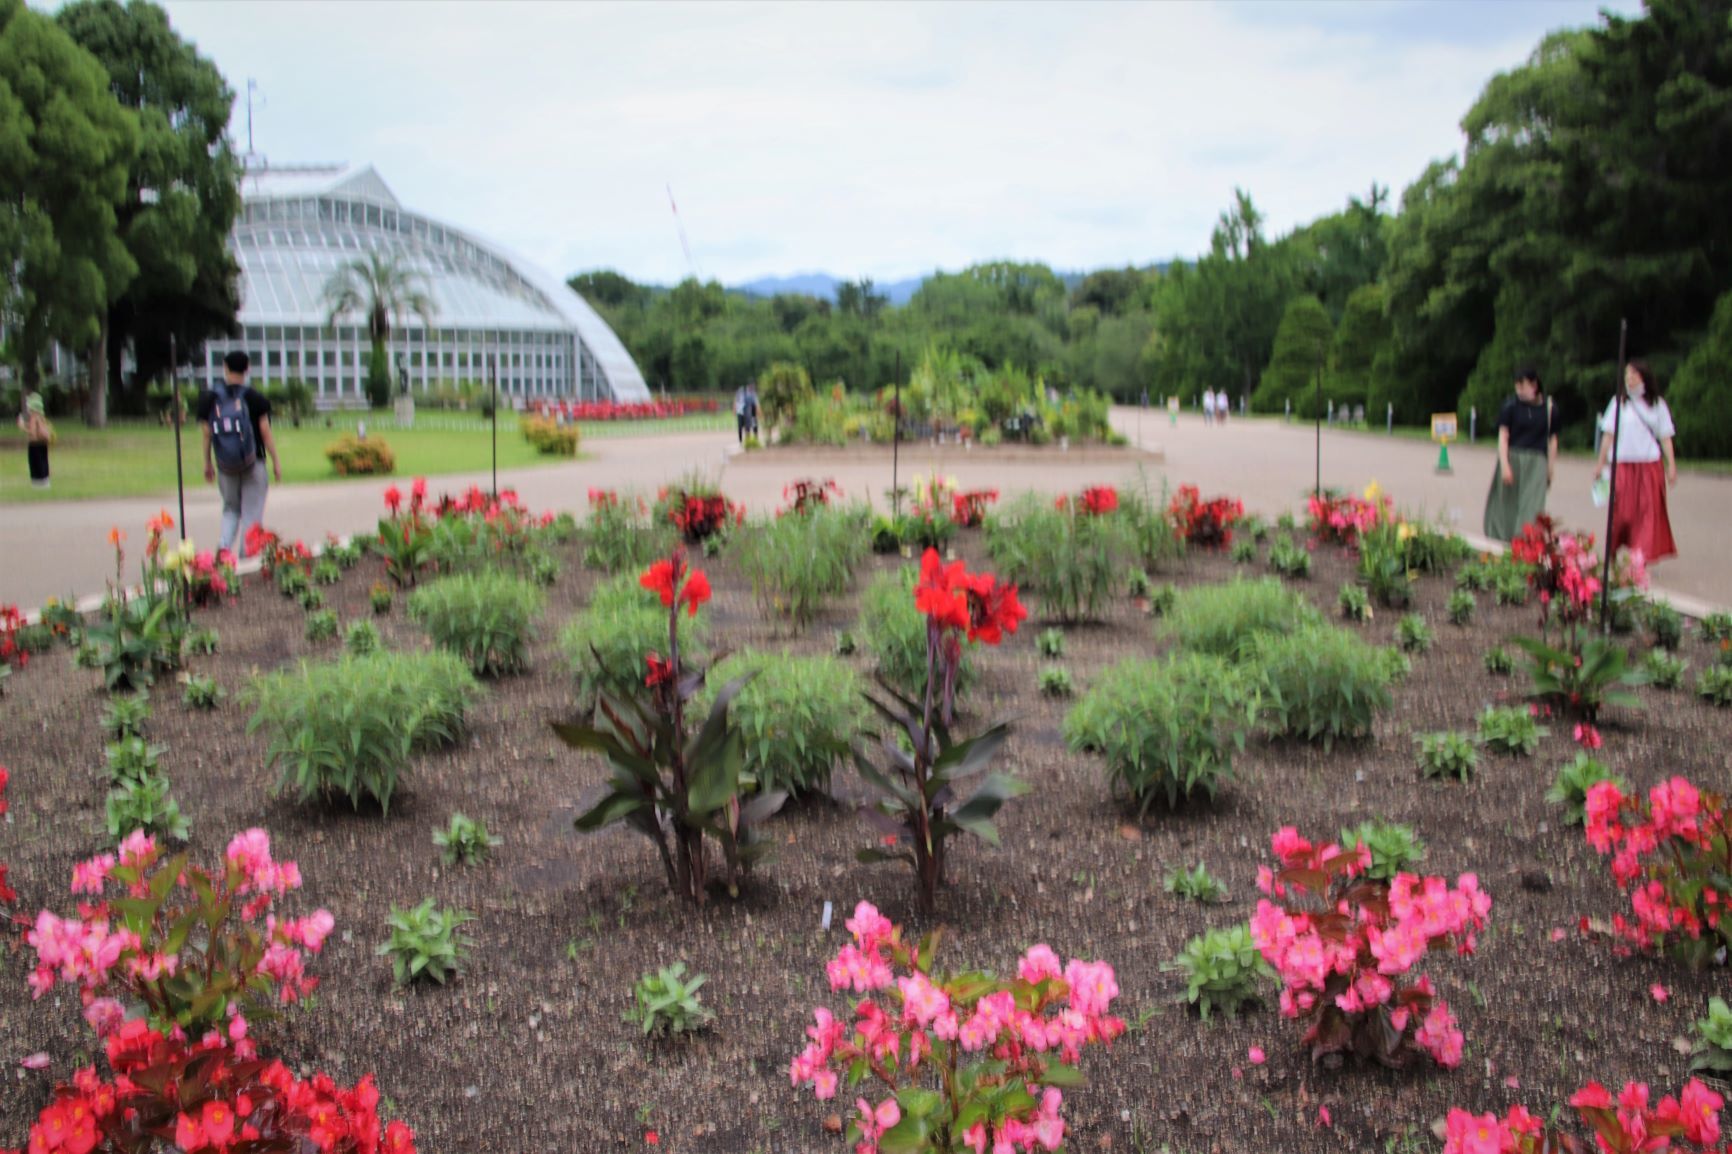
823,286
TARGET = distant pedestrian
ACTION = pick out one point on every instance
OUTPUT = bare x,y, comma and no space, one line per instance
740,413
1221,405
1208,406
38,435
1644,437
236,420
752,408
1527,457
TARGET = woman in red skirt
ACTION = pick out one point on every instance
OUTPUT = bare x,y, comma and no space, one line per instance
1644,435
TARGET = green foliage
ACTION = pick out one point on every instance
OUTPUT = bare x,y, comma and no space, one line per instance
1460,607
550,438
1289,560
1413,634
465,841
1225,620
144,804
1138,583
202,641
1197,885
326,572
1598,676
1166,729
353,457
845,644
799,561
1322,682
322,625
1396,663
1354,603
1499,660
362,638
485,618
349,727
1162,600
292,580
124,717
344,554
379,597
1050,643
1069,558
1475,576
202,692
1510,729
1152,537
1223,970
1715,628
1244,552
426,942
1665,623
1699,395
1510,587
895,635
666,1002
1394,848
796,718
605,645
1663,670
1055,682
1253,526
137,642
132,759
1574,780
1447,754
1301,350
1383,566
1714,684
1713,1049
781,388
311,599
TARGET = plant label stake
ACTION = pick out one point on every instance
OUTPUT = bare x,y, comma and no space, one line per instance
179,468
824,924
1612,486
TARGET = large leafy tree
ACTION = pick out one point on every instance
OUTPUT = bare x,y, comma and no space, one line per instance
1301,351
384,290
65,149
182,189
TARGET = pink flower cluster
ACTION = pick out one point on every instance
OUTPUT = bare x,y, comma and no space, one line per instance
1341,518
1668,854
1011,1030
1341,963
1628,1123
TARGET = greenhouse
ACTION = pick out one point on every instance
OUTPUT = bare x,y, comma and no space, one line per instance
491,311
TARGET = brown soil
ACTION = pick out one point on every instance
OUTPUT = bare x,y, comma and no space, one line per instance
527,1050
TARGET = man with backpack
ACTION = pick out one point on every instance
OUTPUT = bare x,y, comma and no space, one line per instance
236,421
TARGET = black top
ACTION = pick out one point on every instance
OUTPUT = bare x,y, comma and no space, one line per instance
1530,426
257,407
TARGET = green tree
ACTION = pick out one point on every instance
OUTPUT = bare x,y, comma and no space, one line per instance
1701,395
182,189
1301,348
605,288
781,388
66,145
383,289
1361,337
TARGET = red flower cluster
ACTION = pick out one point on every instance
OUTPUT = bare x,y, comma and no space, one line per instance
11,653
269,548
1339,518
955,599
7,893
1096,501
698,517
969,509
623,411
1672,854
1562,569
1623,1125
808,494
1205,524
665,577
603,499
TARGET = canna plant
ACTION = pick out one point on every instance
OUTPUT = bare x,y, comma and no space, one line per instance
924,804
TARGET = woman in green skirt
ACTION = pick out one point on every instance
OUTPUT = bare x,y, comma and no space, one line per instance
1527,455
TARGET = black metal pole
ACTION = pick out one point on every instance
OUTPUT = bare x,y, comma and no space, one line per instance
493,369
1317,415
1612,484
896,441
179,468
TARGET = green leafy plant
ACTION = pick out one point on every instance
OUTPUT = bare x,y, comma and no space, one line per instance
1069,556
1354,603
1447,754
1055,682
1663,669
144,804
202,692
666,1001
1510,729
311,599
1426,549
1226,620
895,636
1395,663
86,656
465,841
1413,634
1510,587
1665,623
344,554
1322,683
137,642
484,618
132,759
1715,628
379,597
798,561
350,727
1714,684
124,717
1138,583
1383,565
1289,560
845,643
796,718
1588,681
1574,780
1460,607
1475,576
292,581
326,572
1196,884
1244,552
621,536
322,625
1166,729
362,638
605,645
1713,1048
1162,599
426,942
202,641
1394,848
1050,643
1499,660
1223,970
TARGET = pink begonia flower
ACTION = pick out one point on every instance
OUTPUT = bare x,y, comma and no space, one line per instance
1559,933
1039,964
36,1061
1256,1055
1323,1118
1659,993
105,1016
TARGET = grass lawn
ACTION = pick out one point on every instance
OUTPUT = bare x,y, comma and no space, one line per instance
137,460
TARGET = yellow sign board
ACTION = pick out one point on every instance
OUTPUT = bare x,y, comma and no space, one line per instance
1443,427
1172,404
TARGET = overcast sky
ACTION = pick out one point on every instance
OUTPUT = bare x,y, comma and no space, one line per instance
881,139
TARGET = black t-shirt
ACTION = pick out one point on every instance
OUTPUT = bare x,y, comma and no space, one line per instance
1530,426
257,408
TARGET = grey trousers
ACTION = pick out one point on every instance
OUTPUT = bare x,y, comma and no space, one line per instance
243,501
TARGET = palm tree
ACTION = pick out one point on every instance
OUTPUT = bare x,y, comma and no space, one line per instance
384,290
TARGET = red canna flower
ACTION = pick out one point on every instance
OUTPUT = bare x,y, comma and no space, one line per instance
939,595
660,672
393,499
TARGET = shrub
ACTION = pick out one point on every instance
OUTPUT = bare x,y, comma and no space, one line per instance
202,692
1354,603
1289,560
1163,598
484,618
1499,660
799,561
1070,556
1574,780
1394,848
1151,530
1447,754
1197,885
1244,552
621,536
895,635
124,717
1055,682
144,804
1167,729
1460,607
1664,670
1511,729
605,645
1510,587
549,438
1596,675
796,718
1396,663
132,759
349,727
666,1002
1714,684
1715,628
322,625
1222,970
1475,576
311,599
1665,623
202,642
425,942
1413,634
379,597
137,643
1713,1049
1323,682
362,638
351,457
326,572
1050,643
1225,620
464,842
1429,550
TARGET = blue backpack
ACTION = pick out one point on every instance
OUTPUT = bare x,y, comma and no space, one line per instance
231,429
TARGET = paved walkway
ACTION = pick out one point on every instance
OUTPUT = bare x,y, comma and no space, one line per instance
59,548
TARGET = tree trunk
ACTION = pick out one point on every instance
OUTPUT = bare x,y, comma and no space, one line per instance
96,402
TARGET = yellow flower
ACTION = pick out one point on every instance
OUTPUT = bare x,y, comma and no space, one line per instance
186,550
1405,531
1373,491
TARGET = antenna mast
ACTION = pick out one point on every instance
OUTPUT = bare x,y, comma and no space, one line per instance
685,245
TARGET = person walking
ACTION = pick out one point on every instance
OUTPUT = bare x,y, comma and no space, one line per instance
740,413
751,413
1644,437
236,421
38,435
1208,406
1527,459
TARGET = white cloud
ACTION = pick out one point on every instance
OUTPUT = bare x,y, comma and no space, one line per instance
877,139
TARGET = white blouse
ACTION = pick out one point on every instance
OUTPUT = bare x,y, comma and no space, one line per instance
1641,430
